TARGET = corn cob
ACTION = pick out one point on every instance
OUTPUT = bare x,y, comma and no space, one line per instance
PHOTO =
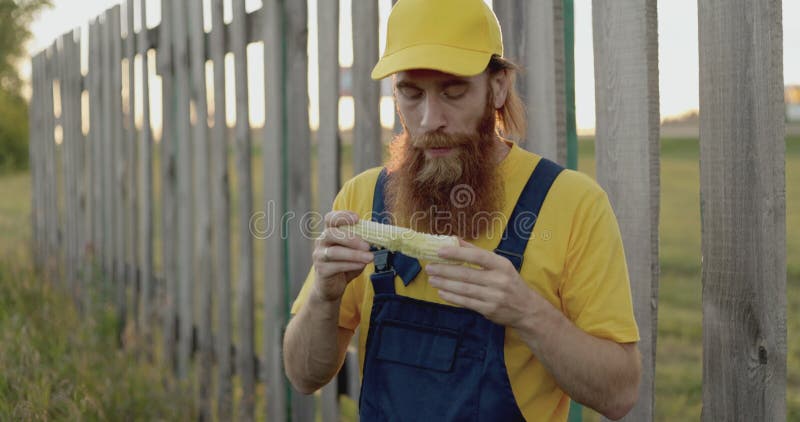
399,239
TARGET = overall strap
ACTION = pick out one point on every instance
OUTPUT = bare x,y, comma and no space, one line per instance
526,211
404,266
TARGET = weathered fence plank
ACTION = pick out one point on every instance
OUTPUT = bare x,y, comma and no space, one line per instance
202,205
96,151
273,147
298,155
82,232
545,80
220,199
66,174
145,147
37,161
512,15
627,145
245,353
50,181
328,161
131,175
169,188
367,145
742,190
107,249
185,219
118,192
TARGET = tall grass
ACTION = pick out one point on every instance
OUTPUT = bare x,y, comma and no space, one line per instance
57,364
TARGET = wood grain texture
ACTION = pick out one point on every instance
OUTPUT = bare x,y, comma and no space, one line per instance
145,252
50,174
328,141
512,15
545,81
96,148
108,244
742,190
169,209
245,353
35,164
221,204
185,203
66,177
202,205
367,145
275,167
129,169
627,149
298,185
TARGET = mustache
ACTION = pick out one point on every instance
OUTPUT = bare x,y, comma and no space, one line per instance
440,140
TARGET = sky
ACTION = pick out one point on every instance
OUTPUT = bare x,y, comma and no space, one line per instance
678,54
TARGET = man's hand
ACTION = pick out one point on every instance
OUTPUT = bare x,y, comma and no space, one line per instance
338,257
493,289
599,373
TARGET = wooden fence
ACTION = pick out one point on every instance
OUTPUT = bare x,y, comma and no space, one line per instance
150,223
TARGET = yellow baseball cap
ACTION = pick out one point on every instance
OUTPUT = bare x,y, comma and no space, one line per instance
451,36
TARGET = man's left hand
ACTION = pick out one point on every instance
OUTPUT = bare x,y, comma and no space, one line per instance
491,286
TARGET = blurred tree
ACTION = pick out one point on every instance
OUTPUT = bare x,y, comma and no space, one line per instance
15,19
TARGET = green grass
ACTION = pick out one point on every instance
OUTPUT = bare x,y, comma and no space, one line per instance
59,364
679,350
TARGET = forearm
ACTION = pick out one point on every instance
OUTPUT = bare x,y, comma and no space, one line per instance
312,346
599,373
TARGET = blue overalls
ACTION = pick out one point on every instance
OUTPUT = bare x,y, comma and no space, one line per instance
426,361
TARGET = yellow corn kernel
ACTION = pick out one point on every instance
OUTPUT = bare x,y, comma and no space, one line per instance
399,239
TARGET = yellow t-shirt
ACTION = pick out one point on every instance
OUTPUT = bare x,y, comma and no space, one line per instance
574,259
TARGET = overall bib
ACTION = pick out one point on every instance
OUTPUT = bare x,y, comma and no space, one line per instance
426,361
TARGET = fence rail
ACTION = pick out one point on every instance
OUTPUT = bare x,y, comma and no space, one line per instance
162,225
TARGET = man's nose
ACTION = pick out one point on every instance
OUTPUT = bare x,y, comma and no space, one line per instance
433,117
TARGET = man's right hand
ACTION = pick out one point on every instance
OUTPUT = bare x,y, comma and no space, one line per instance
338,257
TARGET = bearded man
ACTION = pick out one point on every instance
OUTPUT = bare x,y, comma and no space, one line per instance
541,314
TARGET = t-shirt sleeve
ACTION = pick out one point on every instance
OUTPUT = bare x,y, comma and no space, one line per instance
595,290
349,316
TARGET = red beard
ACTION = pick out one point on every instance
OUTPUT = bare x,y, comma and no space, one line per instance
459,194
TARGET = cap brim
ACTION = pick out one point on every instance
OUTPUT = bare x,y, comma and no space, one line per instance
443,58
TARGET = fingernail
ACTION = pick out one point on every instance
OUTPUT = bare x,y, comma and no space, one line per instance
431,268
433,280
367,257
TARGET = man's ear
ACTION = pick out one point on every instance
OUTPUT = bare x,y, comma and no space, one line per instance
499,84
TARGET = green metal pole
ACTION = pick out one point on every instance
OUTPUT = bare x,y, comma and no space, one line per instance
575,409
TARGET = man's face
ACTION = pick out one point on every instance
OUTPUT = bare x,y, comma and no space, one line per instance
431,101
446,149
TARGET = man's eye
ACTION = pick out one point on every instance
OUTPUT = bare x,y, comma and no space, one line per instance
410,92
454,92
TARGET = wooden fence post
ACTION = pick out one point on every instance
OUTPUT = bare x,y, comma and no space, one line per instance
742,191
274,150
145,252
119,195
328,160
169,187
66,176
367,143
220,199
184,199
245,352
202,205
96,152
50,181
131,175
544,80
627,145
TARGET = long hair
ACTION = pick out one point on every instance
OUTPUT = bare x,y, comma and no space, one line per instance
511,120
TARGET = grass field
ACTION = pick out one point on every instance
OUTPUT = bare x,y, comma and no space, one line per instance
679,360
